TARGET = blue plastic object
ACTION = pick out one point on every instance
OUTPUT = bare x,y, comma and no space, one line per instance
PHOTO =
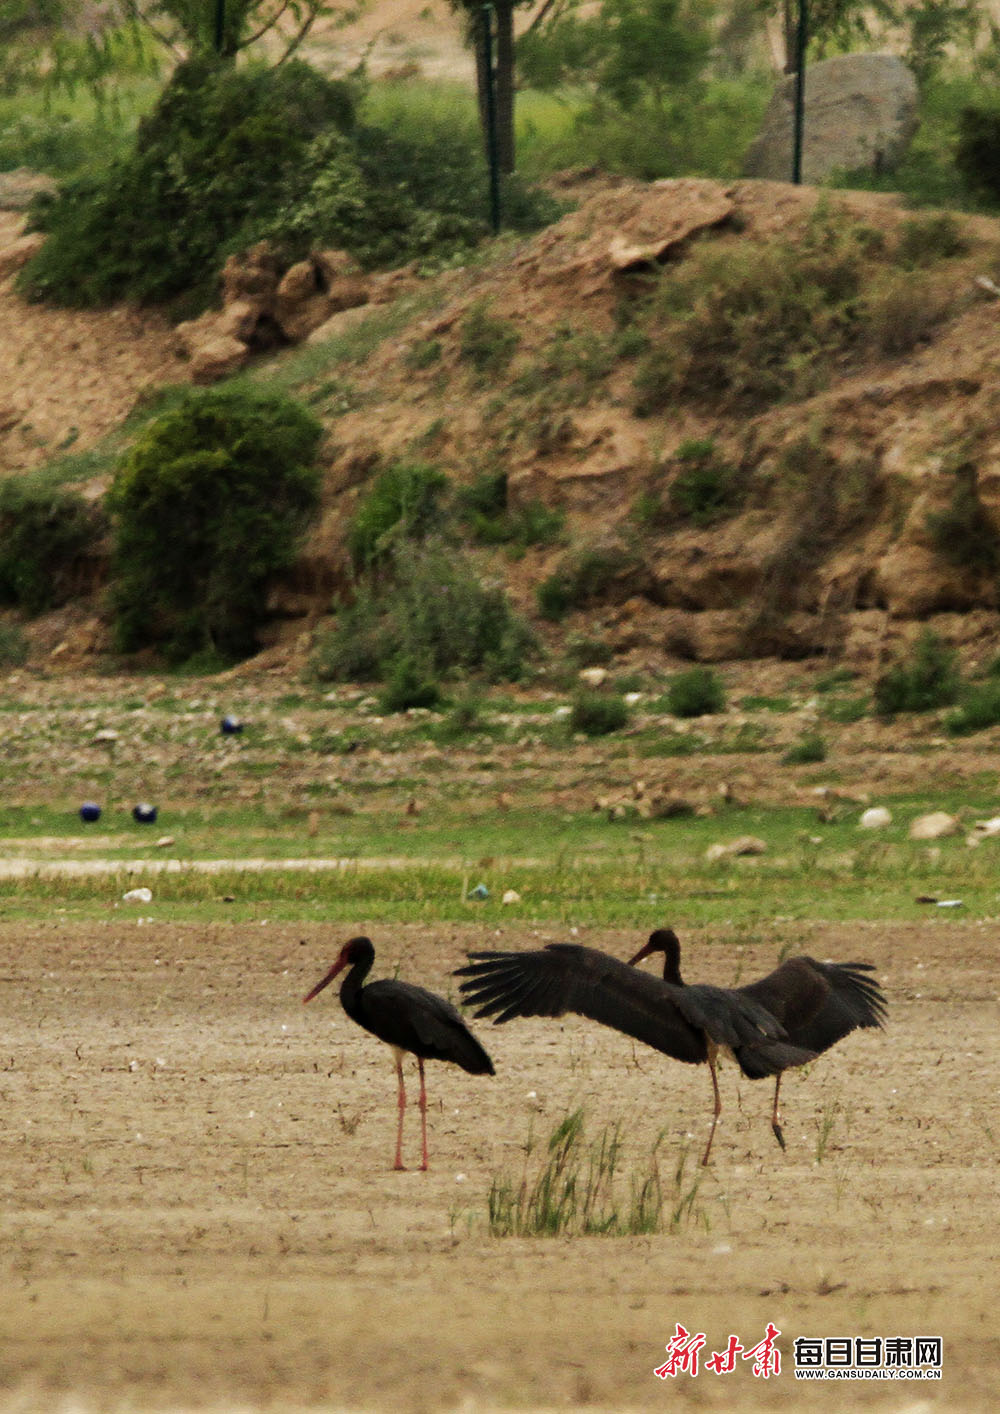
143,814
90,811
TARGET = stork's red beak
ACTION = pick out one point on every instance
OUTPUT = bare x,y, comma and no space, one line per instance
338,966
645,951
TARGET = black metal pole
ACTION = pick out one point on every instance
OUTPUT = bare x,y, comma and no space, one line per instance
492,153
220,25
801,40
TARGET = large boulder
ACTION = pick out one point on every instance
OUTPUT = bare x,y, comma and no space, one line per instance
860,111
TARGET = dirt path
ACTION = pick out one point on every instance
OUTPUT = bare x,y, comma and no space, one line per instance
197,1209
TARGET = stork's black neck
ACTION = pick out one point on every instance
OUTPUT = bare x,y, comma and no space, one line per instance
667,940
362,957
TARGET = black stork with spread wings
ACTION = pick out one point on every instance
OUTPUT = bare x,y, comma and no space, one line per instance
817,1003
691,1024
407,1018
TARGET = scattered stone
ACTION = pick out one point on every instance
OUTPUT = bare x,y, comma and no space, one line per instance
142,895
593,677
876,818
164,842
743,845
511,896
935,826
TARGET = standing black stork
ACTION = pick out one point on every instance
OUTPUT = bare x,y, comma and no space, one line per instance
407,1018
817,1003
689,1023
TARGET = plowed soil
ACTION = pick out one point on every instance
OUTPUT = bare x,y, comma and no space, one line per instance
198,1208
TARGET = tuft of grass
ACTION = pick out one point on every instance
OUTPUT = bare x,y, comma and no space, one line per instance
809,749
576,1190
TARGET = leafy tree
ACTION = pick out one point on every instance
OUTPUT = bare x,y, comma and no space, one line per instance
631,51
227,26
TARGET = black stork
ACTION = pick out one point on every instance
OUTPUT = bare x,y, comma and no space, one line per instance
407,1018
690,1024
818,1003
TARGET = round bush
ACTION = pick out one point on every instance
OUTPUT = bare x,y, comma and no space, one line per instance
209,506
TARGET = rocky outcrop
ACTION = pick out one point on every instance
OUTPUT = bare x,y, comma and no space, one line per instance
264,307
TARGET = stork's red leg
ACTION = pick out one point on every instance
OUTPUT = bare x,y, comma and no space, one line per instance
423,1108
775,1118
712,1052
401,1105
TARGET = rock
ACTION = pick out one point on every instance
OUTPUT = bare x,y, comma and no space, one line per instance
217,358
510,896
861,111
593,677
935,826
252,274
876,818
337,324
743,845
19,252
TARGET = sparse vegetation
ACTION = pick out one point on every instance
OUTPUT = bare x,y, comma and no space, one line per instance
965,533
583,576
576,1190
431,611
488,343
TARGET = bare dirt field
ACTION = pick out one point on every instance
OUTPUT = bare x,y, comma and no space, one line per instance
198,1209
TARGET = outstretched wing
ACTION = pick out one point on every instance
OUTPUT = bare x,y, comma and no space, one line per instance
820,1002
566,977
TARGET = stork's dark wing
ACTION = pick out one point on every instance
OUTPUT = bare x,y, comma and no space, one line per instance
820,1002
565,977
416,1020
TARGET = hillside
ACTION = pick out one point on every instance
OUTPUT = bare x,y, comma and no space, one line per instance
824,541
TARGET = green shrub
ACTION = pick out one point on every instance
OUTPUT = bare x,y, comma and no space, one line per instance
598,713
699,692
403,503
429,606
965,533
204,177
209,505
409,683
931,679
979,708
45,534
